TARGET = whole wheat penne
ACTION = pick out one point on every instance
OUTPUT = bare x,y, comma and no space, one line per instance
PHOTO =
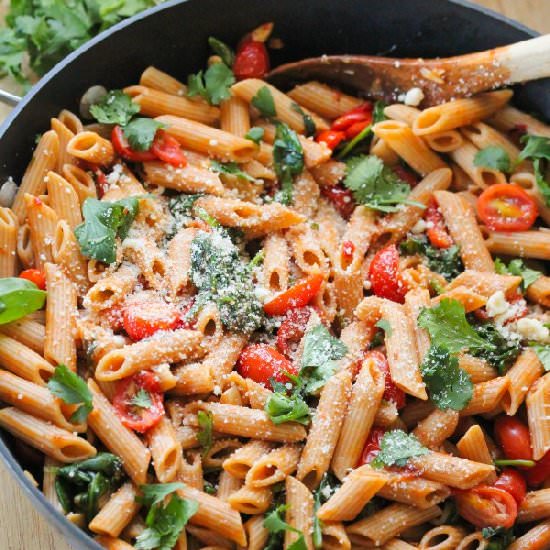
117,513
8,242
525,244
159,80
439,425
299,513
273,467
486,396
442,537
473,446
539,291
418,492
536,538
537,400
324,100
521,376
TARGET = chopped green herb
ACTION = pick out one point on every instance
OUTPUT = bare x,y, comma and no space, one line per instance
223,50
141,399
230,168
537,148
181,208
209,487
288,160
155,493
518,267
213,85
500,537
255,134
518,463
378,112
396,447
500,352
140,133
543,353
72,389
494,157
204,434
19,297
264,102
351,145
384,324
276,525
309,124
115,108
282,408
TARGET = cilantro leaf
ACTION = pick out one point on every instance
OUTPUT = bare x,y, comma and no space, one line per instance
518,267
543,353
500,352
264,102
309,123
115,108
141,399
282,408
537,148
448,327
374,184
255,134
396,447
231,168
140,133
155,493
73,390
204,435
448,385
19,297
275,524
222,49
494,157
288,160
213,85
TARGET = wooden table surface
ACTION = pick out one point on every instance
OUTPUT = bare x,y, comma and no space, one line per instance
21,527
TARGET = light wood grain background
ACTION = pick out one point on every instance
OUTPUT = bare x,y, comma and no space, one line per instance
21,527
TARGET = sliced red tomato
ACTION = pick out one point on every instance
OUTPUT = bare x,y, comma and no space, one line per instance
341,198
513,436
298,295
251,60
406,175
143,319
357,127
506,207
384,275
34,276
391,392
122,147
540,472
167,149
485,506
358,114
512,482
332,138
261,362
138,401
372,446
292,328
437,232
348,248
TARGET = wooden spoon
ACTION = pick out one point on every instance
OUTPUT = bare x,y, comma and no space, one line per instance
439,79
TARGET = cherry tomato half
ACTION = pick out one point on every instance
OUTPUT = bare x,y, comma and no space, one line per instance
143,319
138,401
292,328
341,198
251,60
506,207
512,482
261,362
298,295
513,436
384,275
332,138
485,506
391,392
437,233
539,472
357,114
34,276
167,149
122,147
372,446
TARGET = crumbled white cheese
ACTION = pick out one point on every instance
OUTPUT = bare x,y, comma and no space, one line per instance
261,293
532,329
419,227
413,97
496,304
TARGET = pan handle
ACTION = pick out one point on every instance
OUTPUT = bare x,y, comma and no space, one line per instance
9,99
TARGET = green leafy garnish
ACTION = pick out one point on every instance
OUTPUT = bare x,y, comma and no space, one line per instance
73,390
518,267
276,525
537,148
19,297
255,134
500,537
230,168
543,353
282,408
384,324
213,85
115,108
204,435
396,447
181,208
320,496
374,184
288,160
140,133
309,124
378,112
223,50
494,157
103,223
141,399
500,352
264,102
449,387
155,493
517,463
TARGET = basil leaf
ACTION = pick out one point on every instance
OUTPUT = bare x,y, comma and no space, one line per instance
396,447
255,134
263,101
494,157
115,108
230,168
72,389
19,297
140,133
222,49
204,434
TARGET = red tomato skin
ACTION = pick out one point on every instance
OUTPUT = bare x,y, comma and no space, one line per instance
540,472
357,127
292,328
437,234
471,507
391,392
149,417
372,446
513,482
167,149
384,275
34,276
260,362
341,198
406,175
298,295
513,436
123,149
251,60
357,114
332,138
142,319
518,197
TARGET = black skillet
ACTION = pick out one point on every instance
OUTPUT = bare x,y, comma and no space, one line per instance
173,37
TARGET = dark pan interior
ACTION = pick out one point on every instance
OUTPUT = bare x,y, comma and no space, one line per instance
174,36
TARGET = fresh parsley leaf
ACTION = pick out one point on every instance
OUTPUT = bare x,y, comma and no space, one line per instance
537,148
155,493
448,327
73,390
213,85
288,160
115,108
500,351
494,157
275,524
282,408
384,324
223,50
518,267
309,123
204,435
230,168
543,353
396,447
140,133
321,351
255,134
141,399
449,386
103,223
19,297
374,184
264,102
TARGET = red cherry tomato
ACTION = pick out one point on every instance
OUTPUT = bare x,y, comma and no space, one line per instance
261,362
513,482
384,275
540,472
341,198
372,446
292,329
513,436
34,276
485,506
143,319
122,147
391,392
358,114
406,175
357,127
506,207
332,138
167,149
139,412
298,295
251,60
437,233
